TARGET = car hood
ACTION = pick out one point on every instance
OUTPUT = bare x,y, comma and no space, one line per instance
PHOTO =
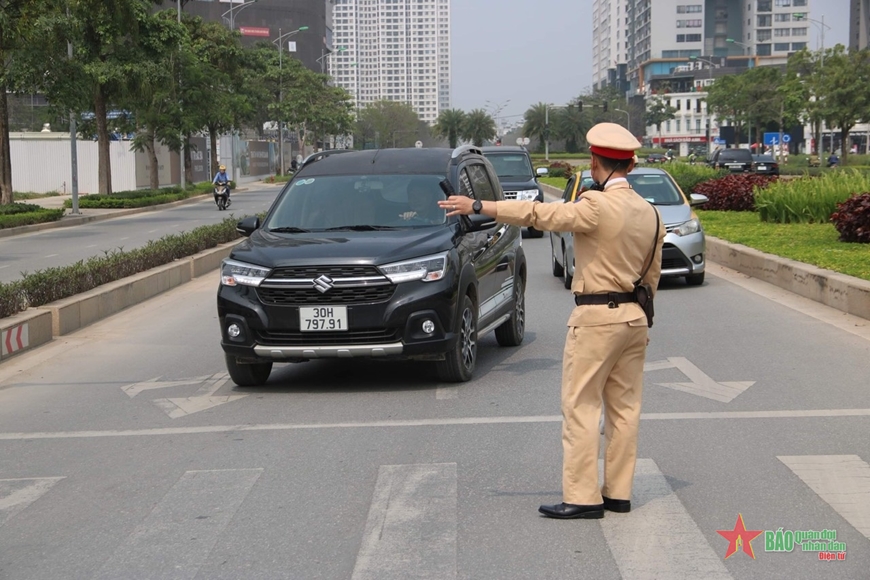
324,248
674,214
518,183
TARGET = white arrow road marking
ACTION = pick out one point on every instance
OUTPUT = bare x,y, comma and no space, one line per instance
135,388
17,494
701,385
204,398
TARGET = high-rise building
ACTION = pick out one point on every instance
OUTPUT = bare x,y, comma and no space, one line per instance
859,24
639,32
395,50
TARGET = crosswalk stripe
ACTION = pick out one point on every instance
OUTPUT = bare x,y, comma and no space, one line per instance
658,538
411,527
843,481
17,494
177,536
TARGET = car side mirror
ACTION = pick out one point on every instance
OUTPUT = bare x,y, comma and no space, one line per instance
542,171
247,226
479,222
697,199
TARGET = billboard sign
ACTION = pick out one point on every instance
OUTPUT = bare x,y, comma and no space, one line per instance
254,31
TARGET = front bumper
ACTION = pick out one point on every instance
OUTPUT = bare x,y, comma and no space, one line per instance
387,326
683,255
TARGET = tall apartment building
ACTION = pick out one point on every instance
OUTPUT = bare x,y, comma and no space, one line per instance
859,24
638,33
395,50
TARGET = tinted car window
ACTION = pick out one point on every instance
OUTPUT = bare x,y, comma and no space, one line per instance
510,164
357,200
569,188
657,189
729,155
483,189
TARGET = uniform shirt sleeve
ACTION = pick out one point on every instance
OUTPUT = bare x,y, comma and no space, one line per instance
654,273
555,217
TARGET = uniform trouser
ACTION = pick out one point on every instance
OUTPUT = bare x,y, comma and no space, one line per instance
601,361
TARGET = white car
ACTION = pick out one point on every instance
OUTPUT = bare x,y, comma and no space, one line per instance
684,245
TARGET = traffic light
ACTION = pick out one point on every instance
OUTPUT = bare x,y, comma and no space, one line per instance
604,106
580,106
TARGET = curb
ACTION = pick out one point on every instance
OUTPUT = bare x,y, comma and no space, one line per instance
37,326
844,293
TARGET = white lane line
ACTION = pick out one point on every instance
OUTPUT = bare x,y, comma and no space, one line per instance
443,393
17,494
122,239
843,481
51,256
658,538
23,436
6,266
411,527
92,246
175,539
151,231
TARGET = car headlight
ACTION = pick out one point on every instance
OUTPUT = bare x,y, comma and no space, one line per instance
527,195
240,274
427,269
693,226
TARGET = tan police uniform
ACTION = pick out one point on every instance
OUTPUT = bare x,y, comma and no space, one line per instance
614,231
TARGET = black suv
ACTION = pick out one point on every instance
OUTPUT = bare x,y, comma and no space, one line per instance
513,166
734,160
355,259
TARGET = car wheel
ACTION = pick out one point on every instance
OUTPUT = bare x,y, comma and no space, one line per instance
459,362
533,233
512,330
695,279
558,270
569,278
252,375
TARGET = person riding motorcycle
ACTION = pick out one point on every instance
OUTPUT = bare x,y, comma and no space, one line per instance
221,179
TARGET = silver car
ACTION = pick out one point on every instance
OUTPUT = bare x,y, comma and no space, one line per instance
684,247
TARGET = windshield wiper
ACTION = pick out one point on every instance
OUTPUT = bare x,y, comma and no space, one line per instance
360,228
289,230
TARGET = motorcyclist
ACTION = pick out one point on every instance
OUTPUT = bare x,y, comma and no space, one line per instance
833,160
221,179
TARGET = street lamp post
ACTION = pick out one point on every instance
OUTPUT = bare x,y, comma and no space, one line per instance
232,11
323,54
748,123
627,114
497,108
279,42
73,147
181,149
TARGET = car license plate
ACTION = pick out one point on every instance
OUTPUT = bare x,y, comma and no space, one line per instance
322,318
762,167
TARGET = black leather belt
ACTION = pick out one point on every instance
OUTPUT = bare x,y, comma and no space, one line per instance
612,299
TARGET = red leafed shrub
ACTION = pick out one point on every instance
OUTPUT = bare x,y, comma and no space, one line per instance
852,219
560,169
733,192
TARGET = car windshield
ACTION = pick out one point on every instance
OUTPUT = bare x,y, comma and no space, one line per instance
656,188
763,158
358,202
510,164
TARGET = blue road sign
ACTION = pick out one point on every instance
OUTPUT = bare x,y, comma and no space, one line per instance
786,138
718,141
771,139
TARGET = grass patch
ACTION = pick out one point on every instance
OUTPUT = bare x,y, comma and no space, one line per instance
814,244
20,195
809,199
559,182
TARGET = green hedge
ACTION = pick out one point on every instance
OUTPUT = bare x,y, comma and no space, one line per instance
810,199
141,197
44,286
14,215
688,176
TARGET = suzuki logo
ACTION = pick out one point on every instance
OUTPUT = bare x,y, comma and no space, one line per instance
323,284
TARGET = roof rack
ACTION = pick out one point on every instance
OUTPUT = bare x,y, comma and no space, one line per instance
463,149
322,155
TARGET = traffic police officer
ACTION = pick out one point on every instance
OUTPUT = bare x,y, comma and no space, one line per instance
614,239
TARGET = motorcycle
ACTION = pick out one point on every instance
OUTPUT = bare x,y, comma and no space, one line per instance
222,196
833,161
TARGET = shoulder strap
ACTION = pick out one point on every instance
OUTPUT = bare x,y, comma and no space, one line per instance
655,243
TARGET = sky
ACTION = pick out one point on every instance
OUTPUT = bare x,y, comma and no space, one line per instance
510,54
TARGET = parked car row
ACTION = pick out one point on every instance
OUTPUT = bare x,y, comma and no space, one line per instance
355,259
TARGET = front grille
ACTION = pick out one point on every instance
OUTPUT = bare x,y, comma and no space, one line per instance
510,195
296,338
310,272
303,296
672,258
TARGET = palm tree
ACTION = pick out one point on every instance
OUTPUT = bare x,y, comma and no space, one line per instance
535,124
571,124
479,127
449,126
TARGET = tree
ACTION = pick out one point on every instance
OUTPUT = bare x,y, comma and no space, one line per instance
387,123
759,93
571,124
479,126
658,111
845,75
449,125
535,122
804,67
